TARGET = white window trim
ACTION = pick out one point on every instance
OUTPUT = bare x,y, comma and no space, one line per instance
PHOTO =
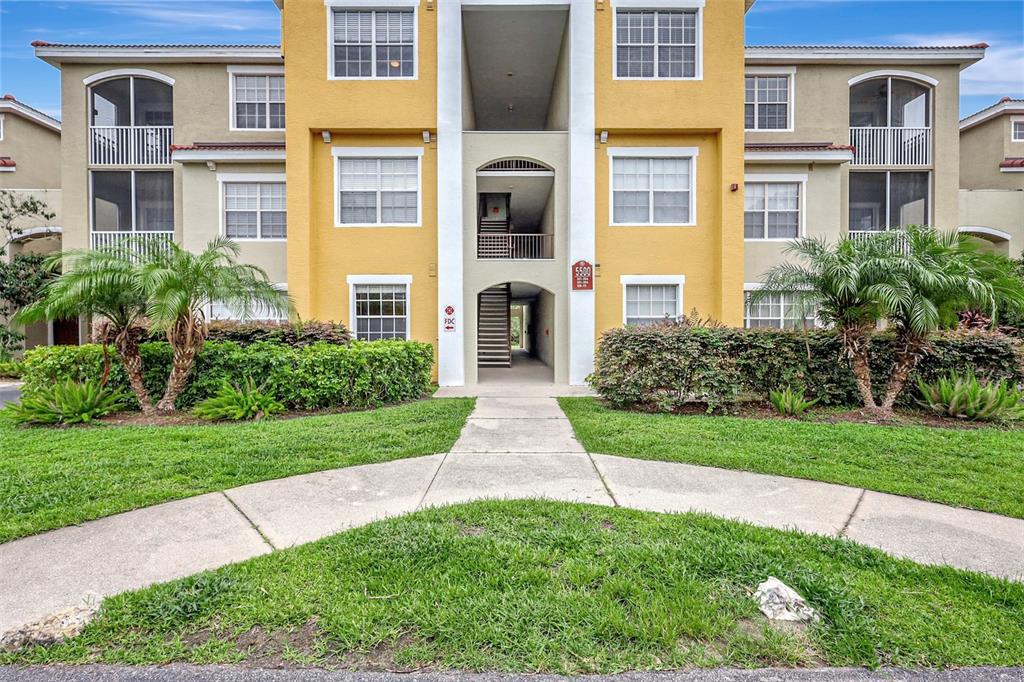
749,287
223,178
790,73
353,280
333,5
377,153
132,173
280,286
1,127
649,153
248,70
661,5
888,185
768,178
1013,121
678,280
115,73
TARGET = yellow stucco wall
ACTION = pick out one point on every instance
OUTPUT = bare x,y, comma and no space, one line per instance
709,254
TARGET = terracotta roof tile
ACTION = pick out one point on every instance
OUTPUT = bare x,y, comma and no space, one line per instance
796,147
975,46
1012,162
44,43
270,145
7,162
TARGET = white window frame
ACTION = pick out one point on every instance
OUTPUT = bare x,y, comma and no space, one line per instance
1,127
228,178
679,281
652,153
750,287
782,178
886,205
1014,122
132,172
393,280
377,153
253,70
280,286
768,71
662,6
373,5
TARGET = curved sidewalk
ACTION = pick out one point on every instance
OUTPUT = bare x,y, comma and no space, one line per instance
509,448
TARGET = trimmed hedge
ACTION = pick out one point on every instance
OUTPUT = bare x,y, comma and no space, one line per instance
662,366
286,333
317,376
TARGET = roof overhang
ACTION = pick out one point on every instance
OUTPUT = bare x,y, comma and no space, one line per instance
56,54
13,106
987,233
1007,107
224,152
783,152
963,56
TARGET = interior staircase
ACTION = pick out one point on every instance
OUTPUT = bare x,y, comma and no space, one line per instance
493,340
492,226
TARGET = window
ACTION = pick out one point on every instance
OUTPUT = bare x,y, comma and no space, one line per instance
1018,130
650,303
648,191
131,101
766,103
889,200
777,311
374,44
656,44
222,311
132,201
378,191
259,102
883,102
255,210
381,311
771,210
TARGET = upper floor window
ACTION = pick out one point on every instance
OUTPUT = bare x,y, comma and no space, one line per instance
374,43
1018,131
651,191
132,201
378,191
258,101
890,103
771,210
766,103
657,44
131,101
255,210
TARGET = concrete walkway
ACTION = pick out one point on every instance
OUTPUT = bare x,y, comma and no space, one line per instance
511,447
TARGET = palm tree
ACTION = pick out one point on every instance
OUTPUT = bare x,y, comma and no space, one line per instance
103,284
932,275
179,286
835,281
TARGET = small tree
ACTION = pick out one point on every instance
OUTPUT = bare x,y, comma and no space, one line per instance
179,287
835,281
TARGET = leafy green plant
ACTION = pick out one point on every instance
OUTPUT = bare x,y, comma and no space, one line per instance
11,369
964,396
66,402
789,402
184,601
235,403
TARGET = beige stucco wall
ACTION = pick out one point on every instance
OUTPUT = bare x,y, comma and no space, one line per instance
1001,210
823,213
551,149
201,215
822,114
36,151
201,114
982,147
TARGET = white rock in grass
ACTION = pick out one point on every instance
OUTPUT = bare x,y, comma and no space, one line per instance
52,629
779,601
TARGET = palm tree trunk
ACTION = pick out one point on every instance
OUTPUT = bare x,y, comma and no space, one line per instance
186,339
127,344
910,348
855,345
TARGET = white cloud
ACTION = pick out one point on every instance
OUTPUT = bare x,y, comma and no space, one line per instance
232,15
1000,73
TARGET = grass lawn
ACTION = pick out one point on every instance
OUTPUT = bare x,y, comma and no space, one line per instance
976,468
56,477
545,586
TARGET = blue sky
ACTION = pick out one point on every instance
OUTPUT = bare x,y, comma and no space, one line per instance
1000,23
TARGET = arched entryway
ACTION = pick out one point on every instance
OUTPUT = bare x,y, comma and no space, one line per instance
515,340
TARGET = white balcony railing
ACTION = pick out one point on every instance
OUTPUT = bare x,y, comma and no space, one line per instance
515,246
901,240
880,146
143,242
130,145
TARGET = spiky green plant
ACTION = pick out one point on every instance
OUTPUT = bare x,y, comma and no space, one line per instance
67,402
236,403
964,396
789,402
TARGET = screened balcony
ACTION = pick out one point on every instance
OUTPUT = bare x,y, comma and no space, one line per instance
132,208
131,122
890,123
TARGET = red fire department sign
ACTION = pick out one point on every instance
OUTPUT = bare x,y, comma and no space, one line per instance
582,276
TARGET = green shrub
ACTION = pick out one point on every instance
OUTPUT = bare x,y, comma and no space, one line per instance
634,365
10,369
964,396
317,376
789,402
66,402
284,333
184,601
235,403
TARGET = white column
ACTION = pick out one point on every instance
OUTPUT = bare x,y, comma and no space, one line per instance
450,345
581,184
